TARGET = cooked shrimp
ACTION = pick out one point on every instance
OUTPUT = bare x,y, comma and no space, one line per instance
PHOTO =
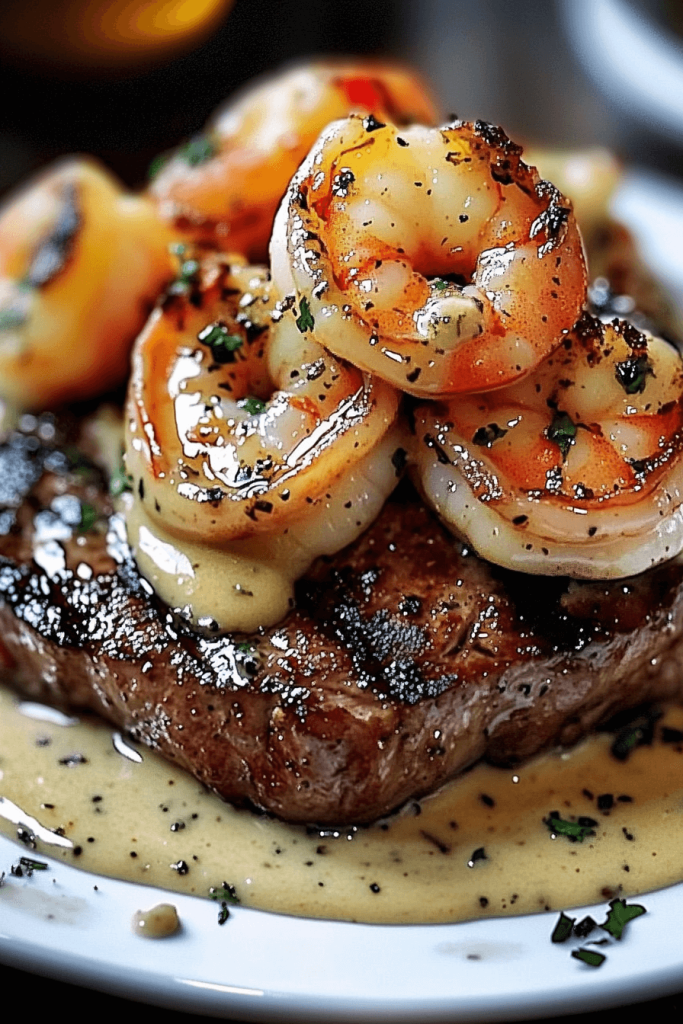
434,258
576,470
81,264
225,186
589,177
248,440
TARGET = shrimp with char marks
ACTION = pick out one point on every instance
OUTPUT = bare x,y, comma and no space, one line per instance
225,186
81,265
434,258
252,450
577,470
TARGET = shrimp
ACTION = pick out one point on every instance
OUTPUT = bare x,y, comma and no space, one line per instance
434,258
577,470
249,446
590,176
225,186
81,264
622,285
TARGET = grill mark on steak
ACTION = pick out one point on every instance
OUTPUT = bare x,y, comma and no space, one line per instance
405,660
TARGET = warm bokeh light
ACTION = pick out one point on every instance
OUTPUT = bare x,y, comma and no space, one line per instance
106,35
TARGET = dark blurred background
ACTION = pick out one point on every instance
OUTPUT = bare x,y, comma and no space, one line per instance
519,63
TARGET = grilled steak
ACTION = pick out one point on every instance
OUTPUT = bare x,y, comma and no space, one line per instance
406,659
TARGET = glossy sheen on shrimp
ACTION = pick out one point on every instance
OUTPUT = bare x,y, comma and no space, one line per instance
224,187
576,470
434,258
247,438
81,264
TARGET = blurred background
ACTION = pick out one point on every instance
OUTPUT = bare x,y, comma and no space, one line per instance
126,79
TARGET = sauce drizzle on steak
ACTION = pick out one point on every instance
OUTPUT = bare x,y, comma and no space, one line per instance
405,660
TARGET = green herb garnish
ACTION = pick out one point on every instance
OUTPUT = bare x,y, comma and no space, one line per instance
157,165
187,276
252,405
120,481
589,956
33,865
224,893
632,374
223,913
620,913
585,926
198,150
223,345
563,928
26,866
89,517
562,431
575,831
440,285
11,318
638,732
305,321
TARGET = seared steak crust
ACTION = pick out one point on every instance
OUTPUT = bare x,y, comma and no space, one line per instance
406,659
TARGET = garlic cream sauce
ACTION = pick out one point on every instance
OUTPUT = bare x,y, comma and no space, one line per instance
477,848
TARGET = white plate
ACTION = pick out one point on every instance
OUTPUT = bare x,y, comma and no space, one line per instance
260,966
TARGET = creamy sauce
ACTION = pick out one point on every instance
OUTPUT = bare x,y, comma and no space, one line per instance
159,922
477,848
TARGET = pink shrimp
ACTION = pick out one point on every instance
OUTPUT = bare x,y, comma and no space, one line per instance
434,258
81,265
225,186
576,470
250,447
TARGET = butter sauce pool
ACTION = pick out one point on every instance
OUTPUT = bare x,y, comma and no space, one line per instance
477,848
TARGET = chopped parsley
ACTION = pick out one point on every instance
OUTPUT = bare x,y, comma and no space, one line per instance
589,956
563,928
575,831
305,321
562,431
632,374
224,893
585,926
11,318
187,274
89,517
198,150
439,285
120,481
30,865
638,732
252,405
223,345
619,915
157,165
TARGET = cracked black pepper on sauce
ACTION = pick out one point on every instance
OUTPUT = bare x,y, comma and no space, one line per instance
477,848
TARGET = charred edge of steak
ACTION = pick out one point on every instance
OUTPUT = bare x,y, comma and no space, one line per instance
404,661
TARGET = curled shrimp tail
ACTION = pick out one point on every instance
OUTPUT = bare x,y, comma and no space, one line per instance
577,470
434,258
252,449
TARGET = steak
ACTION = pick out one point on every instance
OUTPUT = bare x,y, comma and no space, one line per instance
406,659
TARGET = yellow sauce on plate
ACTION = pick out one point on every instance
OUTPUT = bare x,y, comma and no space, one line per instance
480,847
